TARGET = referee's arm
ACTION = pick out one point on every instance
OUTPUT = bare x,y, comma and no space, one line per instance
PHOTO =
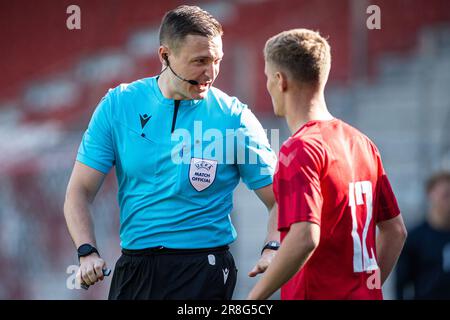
265,194
82,188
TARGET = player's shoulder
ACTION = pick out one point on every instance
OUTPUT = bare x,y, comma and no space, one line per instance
300,141
319,136
304,146
309,136
353,130
355,133
227,104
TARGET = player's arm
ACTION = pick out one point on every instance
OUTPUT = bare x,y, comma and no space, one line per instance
390,240
265,194
298,245
83,186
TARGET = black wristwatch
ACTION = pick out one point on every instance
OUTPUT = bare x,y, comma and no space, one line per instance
85,250
272,245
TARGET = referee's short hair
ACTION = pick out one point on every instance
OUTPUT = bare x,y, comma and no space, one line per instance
436,178
304,54
184,20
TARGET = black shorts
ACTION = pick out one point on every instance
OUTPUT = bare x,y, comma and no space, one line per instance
161,273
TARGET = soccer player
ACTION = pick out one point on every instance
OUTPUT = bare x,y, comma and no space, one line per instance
426,264
175,187
330,186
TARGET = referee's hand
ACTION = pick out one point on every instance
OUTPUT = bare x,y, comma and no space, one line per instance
263,262
91,269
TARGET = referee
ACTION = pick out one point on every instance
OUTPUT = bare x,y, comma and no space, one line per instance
175,192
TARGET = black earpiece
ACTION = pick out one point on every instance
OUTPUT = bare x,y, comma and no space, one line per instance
164,55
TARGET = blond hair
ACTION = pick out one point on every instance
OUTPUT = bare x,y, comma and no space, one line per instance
302,53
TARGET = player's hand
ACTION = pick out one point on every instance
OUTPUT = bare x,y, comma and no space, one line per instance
91,269
263,262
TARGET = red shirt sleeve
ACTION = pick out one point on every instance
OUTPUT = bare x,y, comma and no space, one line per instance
386,206
298,183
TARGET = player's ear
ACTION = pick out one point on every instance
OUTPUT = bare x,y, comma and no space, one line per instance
281,81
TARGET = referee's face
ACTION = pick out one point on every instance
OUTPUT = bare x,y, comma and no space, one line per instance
197,58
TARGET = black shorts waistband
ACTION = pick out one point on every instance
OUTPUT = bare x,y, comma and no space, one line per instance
164,250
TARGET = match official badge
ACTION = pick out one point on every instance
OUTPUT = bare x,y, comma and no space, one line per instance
202,173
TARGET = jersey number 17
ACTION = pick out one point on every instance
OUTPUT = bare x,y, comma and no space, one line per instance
361,259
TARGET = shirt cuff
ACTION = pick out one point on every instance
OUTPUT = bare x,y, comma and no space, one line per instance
254,185
93,163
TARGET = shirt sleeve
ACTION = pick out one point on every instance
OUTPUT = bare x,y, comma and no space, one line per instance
96,148
386,206
298,183
255,158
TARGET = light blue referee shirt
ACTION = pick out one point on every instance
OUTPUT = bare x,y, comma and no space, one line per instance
177,163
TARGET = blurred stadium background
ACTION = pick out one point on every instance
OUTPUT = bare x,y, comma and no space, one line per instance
391,83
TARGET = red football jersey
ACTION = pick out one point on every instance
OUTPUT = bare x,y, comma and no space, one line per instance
331,174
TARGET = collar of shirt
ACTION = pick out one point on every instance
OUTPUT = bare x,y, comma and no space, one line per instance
163,100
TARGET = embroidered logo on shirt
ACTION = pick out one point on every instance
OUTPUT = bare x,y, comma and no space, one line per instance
144,119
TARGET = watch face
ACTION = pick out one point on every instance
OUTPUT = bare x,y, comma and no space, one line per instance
85,249
272,245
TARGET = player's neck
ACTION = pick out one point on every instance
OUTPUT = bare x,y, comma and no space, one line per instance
302,108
